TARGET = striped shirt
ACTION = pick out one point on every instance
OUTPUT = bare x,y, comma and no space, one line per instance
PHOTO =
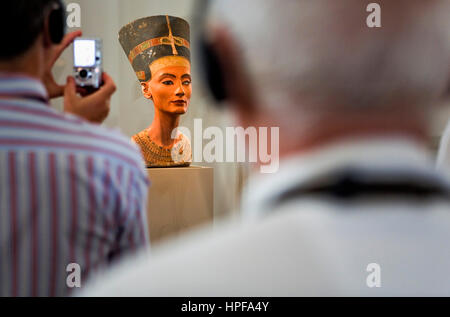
70,192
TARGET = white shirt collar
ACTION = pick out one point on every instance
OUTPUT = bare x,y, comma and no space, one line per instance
394,153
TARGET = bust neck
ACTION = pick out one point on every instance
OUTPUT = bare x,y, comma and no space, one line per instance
160,130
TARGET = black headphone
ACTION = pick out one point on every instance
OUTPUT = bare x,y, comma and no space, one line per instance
211,69
57,21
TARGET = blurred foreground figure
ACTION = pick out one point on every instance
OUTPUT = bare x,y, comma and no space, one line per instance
356,207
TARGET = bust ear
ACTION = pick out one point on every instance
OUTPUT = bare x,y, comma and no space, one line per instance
145,90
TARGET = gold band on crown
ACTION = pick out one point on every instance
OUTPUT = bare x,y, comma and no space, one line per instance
164,40
168,61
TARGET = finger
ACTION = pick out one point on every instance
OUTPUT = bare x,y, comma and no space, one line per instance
67,40
98,98
70,96
70,90
103,95
96,107
108,87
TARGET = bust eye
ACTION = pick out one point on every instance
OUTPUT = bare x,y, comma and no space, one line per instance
186,82
167,82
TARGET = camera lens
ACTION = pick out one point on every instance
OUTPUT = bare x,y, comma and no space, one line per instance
83,73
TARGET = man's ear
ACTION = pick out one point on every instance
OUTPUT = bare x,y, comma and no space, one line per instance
46,33
146,90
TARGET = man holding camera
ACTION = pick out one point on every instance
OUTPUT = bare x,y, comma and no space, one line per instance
72,194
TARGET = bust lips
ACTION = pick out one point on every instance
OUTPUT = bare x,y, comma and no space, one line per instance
179,102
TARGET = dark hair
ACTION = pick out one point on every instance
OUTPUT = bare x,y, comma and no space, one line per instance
21,22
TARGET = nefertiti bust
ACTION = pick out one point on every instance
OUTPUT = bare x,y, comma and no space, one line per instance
158,49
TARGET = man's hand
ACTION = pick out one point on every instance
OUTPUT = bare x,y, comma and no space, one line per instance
54,90
94,107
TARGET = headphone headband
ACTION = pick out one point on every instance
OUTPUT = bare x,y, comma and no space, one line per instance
56,21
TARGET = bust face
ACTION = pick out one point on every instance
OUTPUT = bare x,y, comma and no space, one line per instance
170,89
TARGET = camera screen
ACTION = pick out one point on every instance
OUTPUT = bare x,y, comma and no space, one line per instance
84,53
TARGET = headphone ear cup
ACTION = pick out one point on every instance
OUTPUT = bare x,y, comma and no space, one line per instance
56,23
212,71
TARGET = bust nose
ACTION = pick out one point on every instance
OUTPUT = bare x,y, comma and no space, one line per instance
179,91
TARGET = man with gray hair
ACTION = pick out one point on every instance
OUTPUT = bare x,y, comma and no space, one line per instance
356,207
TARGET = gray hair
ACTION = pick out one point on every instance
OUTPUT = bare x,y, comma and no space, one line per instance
323,50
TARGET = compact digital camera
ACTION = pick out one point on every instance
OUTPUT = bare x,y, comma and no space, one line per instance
87,62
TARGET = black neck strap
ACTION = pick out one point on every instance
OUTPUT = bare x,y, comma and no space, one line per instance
349,185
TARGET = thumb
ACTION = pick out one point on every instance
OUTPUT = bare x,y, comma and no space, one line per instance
70,95
70,91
